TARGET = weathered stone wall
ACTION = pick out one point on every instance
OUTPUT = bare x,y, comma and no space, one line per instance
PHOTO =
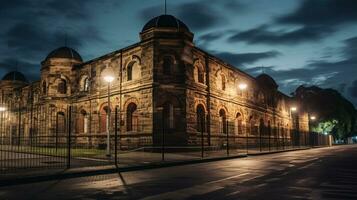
160,81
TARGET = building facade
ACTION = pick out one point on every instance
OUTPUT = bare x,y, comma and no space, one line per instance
163,84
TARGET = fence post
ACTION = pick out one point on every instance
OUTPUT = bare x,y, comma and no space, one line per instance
269,137
260,140
246,138
283,132
56,139
69,137
227,138
163,137
202,145
116,136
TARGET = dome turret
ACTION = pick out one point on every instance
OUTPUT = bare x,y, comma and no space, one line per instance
65,52
165,21
15,76
267,81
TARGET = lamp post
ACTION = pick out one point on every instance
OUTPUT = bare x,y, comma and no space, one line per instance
108,76
2,116
311,119
293,109
242,87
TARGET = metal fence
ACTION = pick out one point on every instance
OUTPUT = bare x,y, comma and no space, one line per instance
47,137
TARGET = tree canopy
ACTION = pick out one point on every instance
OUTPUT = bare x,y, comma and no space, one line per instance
334,113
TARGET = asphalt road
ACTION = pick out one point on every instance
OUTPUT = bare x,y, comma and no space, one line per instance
324,173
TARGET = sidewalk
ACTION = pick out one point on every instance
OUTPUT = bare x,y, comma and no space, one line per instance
40,174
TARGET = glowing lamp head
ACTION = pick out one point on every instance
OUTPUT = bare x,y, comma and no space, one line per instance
108,74
312,117
108,78
2,109
293,109
242,86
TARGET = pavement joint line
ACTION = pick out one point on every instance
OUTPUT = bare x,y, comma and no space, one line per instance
76,174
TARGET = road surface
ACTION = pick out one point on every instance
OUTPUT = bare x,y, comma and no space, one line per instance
323,173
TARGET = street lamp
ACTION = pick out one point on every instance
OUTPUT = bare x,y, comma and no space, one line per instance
312,118
108,76
2,108
242,86
293,109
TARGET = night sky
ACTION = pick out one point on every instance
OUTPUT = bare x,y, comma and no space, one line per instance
295,41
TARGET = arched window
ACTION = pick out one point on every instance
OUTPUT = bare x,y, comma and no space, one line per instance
62,86
82,123
86,84
199,73
167,65
223,84
44,87
131,117
133,71
168,114
238,124
129,74
104,125
201,76
201,118
223,121
61,123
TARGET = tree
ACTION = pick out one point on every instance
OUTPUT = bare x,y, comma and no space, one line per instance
336,115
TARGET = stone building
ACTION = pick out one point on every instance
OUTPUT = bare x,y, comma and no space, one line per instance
163,83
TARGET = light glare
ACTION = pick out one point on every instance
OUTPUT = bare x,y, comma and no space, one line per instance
242,86
293,109
108,78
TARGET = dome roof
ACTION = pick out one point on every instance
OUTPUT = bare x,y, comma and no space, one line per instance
14,76
165,21
266,80
65,52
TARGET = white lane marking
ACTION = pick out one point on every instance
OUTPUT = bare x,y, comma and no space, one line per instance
224,179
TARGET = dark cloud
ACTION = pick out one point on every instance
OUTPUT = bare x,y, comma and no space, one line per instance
30,69
238,59
322,12
32,29
197,16
316,19
18,38
204,40
336,74
264,36
73,10
234,5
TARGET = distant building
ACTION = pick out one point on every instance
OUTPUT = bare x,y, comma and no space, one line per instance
163,81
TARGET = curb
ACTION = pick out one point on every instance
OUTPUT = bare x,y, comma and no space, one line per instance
280,151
